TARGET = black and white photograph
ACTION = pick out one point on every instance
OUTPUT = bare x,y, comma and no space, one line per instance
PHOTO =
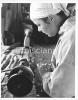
38,50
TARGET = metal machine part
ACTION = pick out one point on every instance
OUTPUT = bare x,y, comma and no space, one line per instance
20,81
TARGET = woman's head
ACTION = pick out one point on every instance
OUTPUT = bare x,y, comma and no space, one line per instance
47,17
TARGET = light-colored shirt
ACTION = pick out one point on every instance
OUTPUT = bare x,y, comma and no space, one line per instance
61,82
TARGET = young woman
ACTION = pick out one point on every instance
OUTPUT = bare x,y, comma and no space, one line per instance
52,19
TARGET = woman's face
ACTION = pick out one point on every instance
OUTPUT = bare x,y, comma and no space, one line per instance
49,29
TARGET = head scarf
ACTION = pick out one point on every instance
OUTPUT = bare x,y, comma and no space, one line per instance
41,10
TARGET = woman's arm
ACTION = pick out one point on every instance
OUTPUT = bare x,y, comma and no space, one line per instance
61,82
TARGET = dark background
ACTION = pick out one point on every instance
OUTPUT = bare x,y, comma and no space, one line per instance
13,26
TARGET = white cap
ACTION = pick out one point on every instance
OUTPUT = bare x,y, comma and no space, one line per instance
41,10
